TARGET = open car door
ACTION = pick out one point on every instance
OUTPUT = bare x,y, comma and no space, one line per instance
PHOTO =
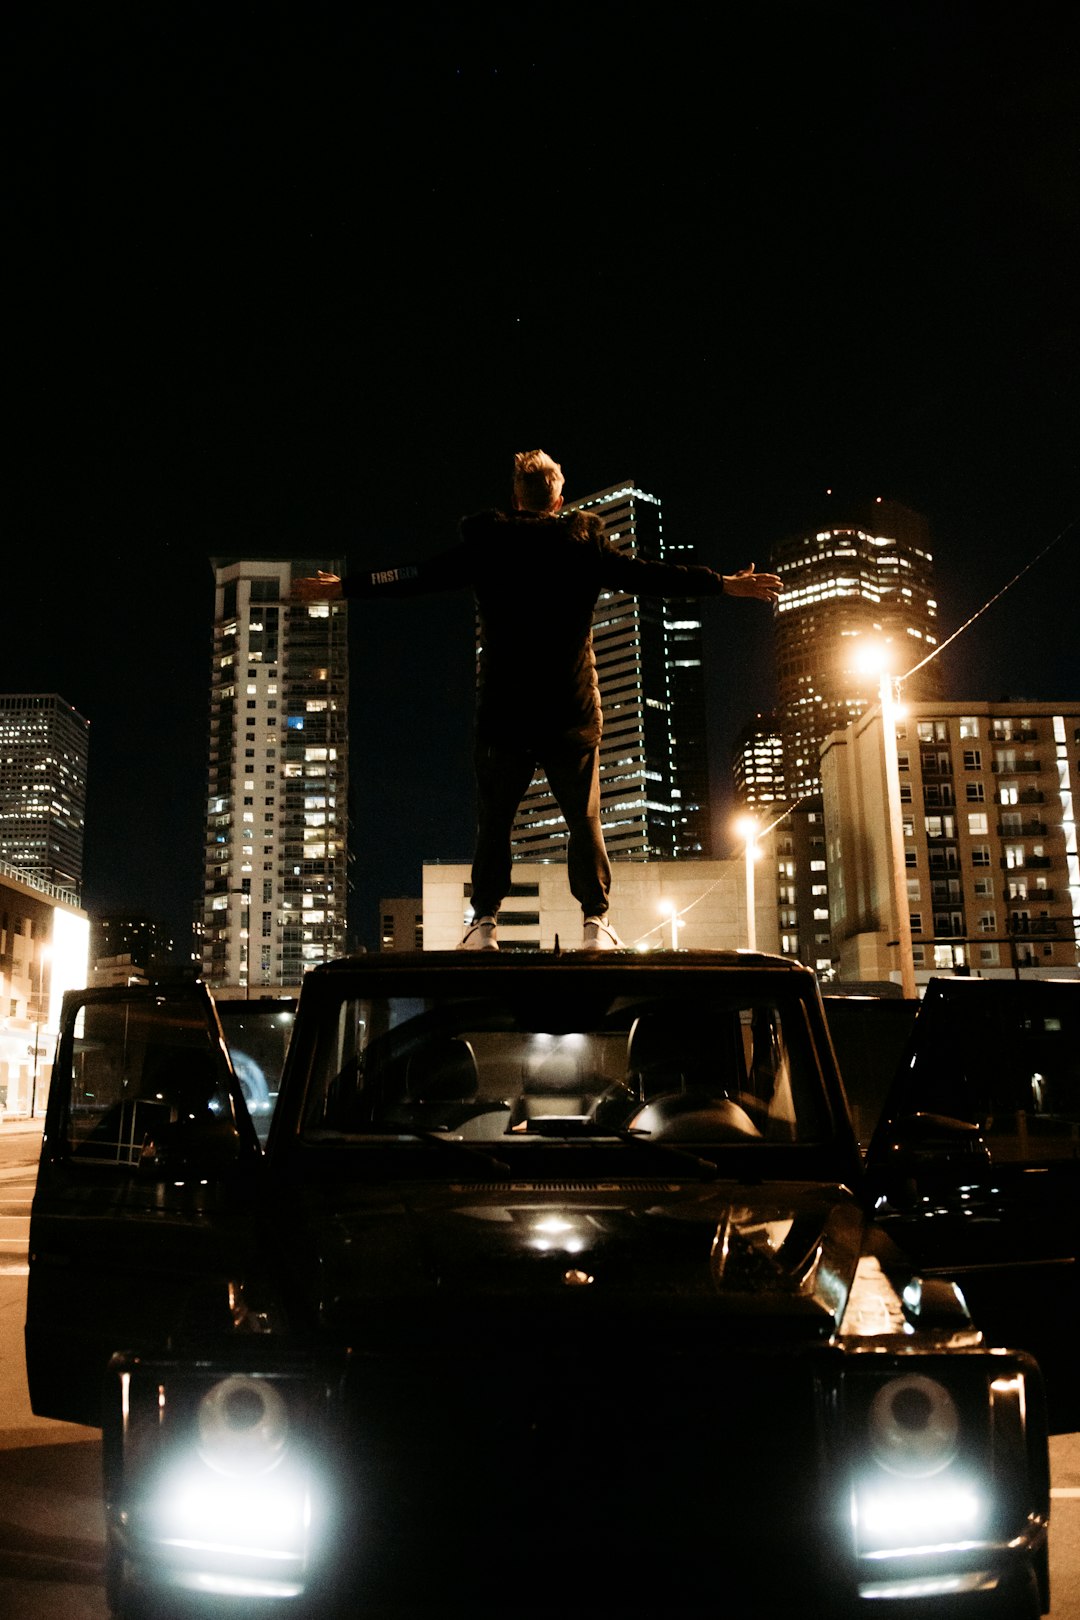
143,1215
974,1166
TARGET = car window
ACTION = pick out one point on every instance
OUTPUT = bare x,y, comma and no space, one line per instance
1007,1062
686,1067
141,1071
257,1034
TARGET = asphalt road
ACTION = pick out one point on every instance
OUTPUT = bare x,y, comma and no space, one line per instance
51,1526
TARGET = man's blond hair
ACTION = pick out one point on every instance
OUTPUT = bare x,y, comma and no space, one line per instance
538,480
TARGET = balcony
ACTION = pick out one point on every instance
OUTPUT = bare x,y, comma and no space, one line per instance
1025,796
1026,829
1020,766
1029,734
1029,863
1037,897
1046,927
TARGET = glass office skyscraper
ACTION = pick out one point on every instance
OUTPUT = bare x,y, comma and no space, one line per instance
44,748
867,571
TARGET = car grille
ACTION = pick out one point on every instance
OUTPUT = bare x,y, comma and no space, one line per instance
613,1474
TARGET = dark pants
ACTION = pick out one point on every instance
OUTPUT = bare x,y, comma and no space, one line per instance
502,780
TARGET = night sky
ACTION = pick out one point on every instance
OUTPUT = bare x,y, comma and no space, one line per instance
298,279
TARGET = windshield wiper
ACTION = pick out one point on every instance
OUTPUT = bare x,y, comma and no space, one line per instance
645,1139
477,1150
375,1138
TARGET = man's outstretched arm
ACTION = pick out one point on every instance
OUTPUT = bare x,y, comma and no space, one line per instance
624,572
447,571
318,587
748,582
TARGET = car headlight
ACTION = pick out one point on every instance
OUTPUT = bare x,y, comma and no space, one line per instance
243,1426
922,1484
914,1426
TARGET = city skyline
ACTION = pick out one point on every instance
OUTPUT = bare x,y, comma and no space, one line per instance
277,295
439,826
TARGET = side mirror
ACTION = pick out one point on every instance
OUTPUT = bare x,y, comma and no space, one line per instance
932,1136
936,1304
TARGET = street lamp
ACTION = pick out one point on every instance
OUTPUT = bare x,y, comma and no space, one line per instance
42,956
669,908
747,829
873,658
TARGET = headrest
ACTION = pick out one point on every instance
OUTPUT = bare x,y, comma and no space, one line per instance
674,1050
442,1071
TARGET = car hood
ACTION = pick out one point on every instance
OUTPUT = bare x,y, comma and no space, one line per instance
772,1259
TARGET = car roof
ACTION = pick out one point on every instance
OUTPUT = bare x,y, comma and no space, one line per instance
510,961
1000,989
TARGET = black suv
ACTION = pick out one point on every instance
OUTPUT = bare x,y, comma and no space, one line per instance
553,1288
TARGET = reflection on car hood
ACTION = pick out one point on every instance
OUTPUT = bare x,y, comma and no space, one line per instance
778,1258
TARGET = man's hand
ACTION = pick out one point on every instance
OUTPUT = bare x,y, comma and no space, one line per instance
319,588
764,587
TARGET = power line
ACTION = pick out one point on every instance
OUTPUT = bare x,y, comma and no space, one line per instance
996,597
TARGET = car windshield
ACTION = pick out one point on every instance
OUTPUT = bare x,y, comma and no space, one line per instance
700,1065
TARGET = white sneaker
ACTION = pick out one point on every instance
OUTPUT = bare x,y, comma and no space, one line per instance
480,936
600,936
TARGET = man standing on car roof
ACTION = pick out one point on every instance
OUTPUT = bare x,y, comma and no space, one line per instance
537,574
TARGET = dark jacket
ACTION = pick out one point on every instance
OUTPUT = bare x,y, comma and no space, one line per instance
536,581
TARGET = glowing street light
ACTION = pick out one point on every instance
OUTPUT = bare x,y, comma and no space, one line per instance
669,908
873,659
43,954
747,829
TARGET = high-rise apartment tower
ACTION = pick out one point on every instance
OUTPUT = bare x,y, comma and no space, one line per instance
989,839
44,747
654,780
276,828
863,572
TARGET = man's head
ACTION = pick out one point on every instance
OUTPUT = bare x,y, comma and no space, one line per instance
538,482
